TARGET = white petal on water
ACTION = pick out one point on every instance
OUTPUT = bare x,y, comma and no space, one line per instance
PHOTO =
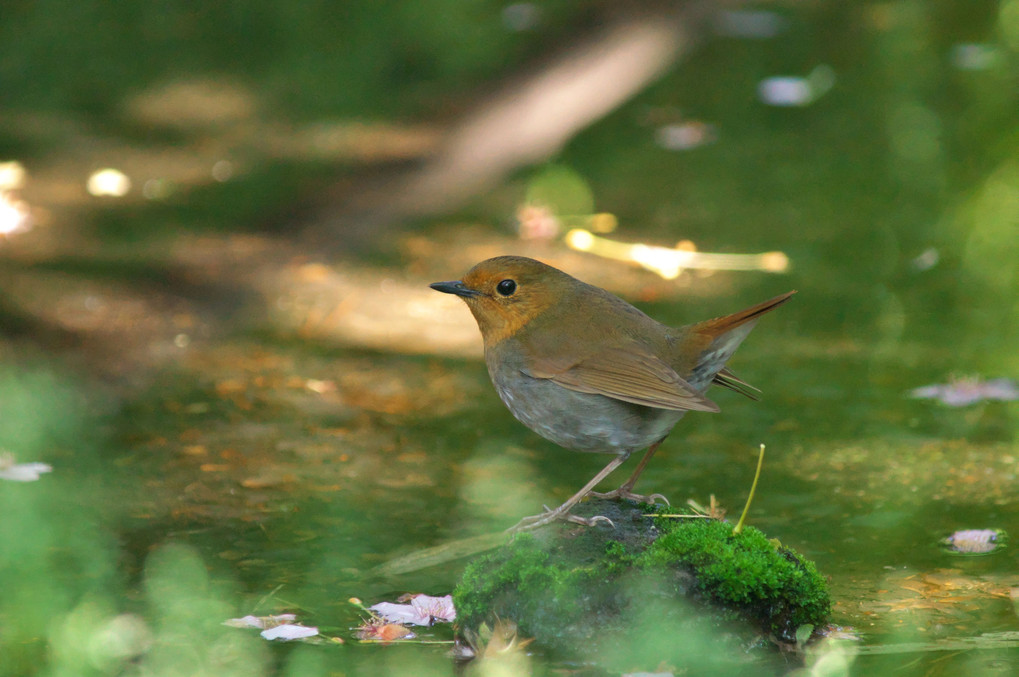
24,472
260,622
288,631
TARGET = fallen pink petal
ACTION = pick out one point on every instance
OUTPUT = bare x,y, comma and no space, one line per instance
975,541
402,613
439,608
422,610
963,392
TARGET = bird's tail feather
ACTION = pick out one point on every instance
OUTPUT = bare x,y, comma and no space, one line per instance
721,337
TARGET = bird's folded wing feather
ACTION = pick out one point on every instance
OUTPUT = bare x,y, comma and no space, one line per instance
628,375
727,379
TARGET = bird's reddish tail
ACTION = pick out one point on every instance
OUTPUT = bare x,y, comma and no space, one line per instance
711,343
721,325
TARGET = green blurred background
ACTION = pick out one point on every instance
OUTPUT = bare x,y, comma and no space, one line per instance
250,398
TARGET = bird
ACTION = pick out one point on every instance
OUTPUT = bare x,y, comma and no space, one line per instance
589,371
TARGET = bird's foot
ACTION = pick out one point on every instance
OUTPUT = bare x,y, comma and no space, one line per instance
625,492
549,516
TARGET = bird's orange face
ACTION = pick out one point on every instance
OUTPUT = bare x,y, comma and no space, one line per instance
505,293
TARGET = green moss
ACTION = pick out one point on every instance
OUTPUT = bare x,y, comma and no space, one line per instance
566,584
617,558
523,580
766,582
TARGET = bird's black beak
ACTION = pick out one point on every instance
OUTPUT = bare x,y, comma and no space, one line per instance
455,287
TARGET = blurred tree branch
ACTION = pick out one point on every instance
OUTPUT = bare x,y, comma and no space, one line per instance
527,120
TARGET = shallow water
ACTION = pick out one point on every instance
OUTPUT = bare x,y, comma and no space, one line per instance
240,426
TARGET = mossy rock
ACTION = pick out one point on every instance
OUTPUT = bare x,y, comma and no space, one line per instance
649,583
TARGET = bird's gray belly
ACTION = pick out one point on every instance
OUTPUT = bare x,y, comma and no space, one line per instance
585,421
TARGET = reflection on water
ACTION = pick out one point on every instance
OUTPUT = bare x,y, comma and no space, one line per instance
209,463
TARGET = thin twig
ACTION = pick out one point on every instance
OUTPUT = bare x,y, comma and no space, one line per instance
750,498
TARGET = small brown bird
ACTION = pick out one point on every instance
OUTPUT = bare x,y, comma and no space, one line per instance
588,371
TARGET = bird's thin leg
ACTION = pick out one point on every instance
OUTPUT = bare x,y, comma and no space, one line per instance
562,512
626,490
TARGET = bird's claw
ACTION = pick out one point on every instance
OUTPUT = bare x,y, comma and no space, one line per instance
590,521
535,521
624,492
549,516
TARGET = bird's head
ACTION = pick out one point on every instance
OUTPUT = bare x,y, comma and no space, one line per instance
506,292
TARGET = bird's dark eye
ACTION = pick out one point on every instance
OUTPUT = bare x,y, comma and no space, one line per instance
506,287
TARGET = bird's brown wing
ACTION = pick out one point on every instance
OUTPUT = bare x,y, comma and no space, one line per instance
630,375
